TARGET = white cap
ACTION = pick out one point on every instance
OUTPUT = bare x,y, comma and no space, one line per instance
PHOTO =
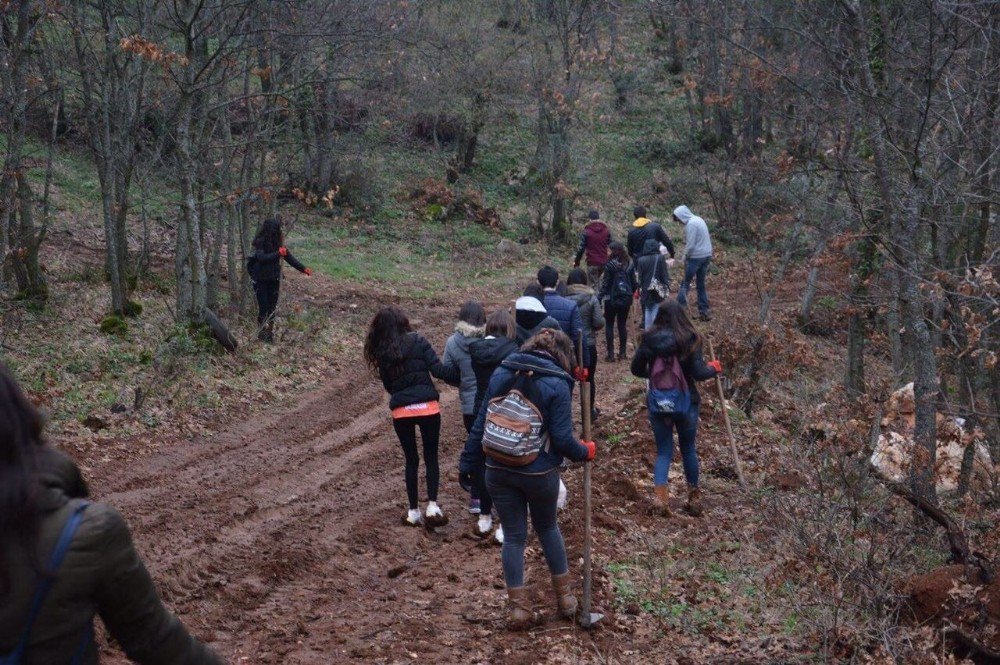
529,304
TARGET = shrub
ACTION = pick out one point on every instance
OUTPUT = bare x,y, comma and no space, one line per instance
114,324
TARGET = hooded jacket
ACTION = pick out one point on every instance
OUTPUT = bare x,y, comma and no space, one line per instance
101,574
266,266
530,317
551,396
654,280
611,271
661,343
414,384
590,310
594,241
456,354
487,354
643,230
697,241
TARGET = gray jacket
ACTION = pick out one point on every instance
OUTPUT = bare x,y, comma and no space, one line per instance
697,242
456,354
590,310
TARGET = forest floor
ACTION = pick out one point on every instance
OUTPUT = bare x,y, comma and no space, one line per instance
276,537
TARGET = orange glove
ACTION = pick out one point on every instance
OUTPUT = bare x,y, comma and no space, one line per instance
282,251
716,365
581,374
591,449
308,272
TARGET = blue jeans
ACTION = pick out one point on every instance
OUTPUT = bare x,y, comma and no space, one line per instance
663,432
514,494
697,269
649,313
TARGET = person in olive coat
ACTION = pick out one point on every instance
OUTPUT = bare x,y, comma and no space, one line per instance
43,500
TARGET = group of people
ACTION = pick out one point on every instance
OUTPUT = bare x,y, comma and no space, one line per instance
516,369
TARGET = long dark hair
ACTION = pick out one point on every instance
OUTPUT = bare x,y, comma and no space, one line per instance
577,276
270,236
20,441
384,342
674,316
619,252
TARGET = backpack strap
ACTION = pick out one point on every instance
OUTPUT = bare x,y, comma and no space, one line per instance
45,585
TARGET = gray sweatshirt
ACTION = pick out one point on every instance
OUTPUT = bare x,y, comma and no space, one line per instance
456,354
697,243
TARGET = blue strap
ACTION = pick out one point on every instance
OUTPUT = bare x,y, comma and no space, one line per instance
45,585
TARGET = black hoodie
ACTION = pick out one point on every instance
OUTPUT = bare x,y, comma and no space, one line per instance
487,354
649,266
530,323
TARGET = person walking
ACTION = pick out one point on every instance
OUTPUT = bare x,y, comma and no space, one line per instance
594,242
654,281
487,354
617,286
578,290
264,267
471,319
561,309
541,370
530,317
697,257
644,229
405,362
65,560
670,347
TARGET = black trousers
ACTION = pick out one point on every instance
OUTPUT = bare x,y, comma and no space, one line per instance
469,419
267,299
430,433
612,316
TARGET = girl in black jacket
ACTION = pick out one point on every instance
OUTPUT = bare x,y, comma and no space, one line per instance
405,361
617,286
264,266
674,336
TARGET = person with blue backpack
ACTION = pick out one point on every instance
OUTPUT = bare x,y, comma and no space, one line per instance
618,284
65,560
521,434
670,357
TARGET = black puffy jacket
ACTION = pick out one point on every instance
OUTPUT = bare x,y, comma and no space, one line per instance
266,266
101,575
414,384
487,354
661,343
652,274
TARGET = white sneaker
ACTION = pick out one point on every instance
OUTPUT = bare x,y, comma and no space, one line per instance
484,526
413,518
434,516
498,535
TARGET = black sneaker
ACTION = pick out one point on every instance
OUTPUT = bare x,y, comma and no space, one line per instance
610,358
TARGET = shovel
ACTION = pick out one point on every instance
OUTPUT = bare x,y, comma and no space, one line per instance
587,618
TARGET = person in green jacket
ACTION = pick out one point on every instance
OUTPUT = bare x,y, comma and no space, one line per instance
42,502
579,291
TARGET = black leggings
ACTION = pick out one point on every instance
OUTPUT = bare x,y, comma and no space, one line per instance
611,315
469,419
267,299
430,433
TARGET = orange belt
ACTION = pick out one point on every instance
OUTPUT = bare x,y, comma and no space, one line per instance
416,410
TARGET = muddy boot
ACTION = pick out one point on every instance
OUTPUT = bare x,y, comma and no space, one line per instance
662,499
521,616
610,358
434,516
623,355
562,584
694,501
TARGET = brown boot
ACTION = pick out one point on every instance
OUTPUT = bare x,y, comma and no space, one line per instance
694,501
662,500
521,616
567,601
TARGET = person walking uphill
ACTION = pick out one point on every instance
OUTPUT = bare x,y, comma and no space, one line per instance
617,287
530,317
644,229
264,267
64,560
471,319
580,292
670,357
654,281
594,242
697,257
405,362
530,392
562,309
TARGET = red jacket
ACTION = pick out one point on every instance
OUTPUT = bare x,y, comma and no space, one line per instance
594,241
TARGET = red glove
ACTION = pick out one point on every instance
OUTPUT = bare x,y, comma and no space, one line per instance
635,295
282,251
716,365
591,449
308,272
581,374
